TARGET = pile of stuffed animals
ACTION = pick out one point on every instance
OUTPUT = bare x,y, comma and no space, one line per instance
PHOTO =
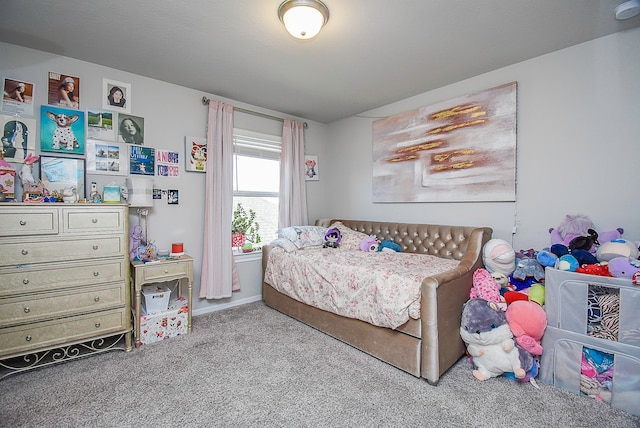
504,320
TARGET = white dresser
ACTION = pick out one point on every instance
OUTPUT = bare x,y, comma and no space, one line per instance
64,282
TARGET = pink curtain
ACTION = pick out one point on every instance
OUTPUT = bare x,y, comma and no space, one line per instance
219,276
293,195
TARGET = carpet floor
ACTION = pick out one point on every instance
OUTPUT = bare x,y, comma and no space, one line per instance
250,366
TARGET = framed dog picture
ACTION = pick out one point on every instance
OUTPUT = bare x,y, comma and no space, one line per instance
62,130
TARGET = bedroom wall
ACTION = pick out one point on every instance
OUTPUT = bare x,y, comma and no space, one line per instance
170,112
578,147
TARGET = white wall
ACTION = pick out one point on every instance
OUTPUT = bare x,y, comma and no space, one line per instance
170,113
578,147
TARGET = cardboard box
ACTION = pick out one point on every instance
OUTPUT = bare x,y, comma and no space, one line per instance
170,323
156,299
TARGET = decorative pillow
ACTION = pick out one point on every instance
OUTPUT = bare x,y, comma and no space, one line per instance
303,236
285,244
350,238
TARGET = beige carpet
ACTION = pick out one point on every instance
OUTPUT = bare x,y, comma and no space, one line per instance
251,366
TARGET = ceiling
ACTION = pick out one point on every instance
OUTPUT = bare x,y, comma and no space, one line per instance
370,53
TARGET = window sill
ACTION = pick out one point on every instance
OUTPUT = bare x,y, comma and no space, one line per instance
241,257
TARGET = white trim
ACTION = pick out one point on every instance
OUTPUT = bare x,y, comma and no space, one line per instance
215,308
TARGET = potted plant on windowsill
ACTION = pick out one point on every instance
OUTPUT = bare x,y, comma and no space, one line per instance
244,228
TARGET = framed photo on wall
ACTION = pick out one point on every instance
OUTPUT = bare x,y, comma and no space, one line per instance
62,130
64,90
18,97
311,168
57,174
107,157
116,96
131,129
18,137
100,124
195,150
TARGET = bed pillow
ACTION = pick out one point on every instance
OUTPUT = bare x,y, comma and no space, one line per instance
350,238
285,244
303,236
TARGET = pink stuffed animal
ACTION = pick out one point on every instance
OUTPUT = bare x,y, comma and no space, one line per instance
486,287
527,321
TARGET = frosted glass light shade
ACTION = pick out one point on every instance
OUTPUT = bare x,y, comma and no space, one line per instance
303,19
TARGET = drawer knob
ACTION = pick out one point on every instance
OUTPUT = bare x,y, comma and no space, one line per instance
96,299
27,310
95,247
96,273
97,325
94,220
166,271
25,252
28,338
25,281
23,223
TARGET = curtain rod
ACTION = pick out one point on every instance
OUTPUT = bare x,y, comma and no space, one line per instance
206,100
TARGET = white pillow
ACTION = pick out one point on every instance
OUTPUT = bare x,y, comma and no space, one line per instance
304,236
285,244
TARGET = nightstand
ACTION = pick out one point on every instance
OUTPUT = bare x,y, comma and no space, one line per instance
161,271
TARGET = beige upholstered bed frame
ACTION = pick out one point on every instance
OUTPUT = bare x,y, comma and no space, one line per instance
426,347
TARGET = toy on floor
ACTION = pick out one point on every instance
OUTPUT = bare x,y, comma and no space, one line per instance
489,340
499,256
485,287
527,321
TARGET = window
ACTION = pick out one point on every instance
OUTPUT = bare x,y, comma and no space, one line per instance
256,178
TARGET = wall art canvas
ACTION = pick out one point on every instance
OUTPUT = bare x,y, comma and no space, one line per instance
64,90
116,96
18,137
459,150
195,150
167,163
142,160
62,130
100,124
131,129
311,168
17,97
58,174
107,158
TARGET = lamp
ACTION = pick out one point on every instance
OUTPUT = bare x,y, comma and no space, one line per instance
627,10
140,196
303,19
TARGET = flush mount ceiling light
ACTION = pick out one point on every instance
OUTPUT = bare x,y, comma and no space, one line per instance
627,10
303,19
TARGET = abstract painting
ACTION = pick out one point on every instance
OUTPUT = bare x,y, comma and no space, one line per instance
459,150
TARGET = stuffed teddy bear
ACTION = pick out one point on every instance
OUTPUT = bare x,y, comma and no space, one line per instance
369,244
528,268
489,340
527,321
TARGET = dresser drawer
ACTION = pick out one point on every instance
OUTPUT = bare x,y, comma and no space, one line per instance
165,272
43,306
22,221
86,220
32,251
22,339
56,276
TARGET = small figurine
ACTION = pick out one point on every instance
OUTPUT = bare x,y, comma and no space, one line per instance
70,195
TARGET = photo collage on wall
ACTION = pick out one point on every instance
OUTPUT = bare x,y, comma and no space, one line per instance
76,139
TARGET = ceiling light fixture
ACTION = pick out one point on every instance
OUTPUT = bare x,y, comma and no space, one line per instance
303,19
627,10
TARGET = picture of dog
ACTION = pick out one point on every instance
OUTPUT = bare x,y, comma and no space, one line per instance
64,136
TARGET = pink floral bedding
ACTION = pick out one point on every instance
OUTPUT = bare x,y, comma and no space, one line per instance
381,288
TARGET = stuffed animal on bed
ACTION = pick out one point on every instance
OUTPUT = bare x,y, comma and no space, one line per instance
369,244
332,238
489,340
389,246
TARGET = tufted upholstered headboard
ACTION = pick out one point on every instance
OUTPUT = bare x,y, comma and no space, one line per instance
450,242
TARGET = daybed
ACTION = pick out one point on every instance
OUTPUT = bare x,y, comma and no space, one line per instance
424,347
